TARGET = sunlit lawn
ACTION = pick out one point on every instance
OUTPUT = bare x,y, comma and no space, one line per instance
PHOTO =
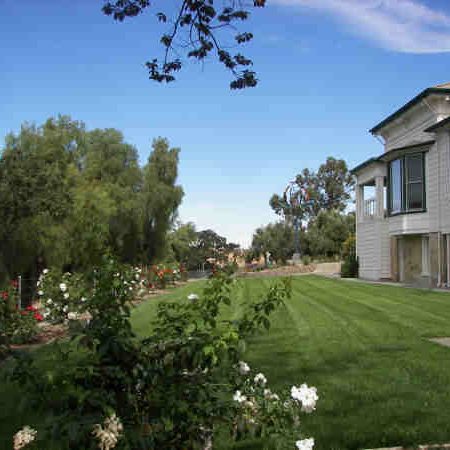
363,346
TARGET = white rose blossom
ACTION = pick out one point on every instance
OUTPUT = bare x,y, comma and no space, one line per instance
40,293
305,444
49,301
307,396
24,437
45,271
243,368
238,397
63,287
66,295
193,297
260,379
72,316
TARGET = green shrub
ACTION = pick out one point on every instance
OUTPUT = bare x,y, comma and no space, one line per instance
350,267
169,390
306,260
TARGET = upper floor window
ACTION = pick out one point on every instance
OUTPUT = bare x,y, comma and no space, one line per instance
407,184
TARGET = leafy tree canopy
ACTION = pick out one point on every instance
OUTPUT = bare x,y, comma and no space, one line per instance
327,189
277,239
69,195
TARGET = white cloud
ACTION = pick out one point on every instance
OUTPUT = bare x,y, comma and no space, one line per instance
407,26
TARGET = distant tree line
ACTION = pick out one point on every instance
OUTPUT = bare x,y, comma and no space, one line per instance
319,201
69,195
199,249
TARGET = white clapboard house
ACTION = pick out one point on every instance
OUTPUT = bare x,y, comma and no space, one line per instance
403,195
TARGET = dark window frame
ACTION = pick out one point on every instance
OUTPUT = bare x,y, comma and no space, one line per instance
404,182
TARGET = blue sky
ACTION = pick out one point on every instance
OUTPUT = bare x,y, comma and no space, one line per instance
329,70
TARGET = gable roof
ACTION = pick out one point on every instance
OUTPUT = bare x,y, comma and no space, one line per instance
440,89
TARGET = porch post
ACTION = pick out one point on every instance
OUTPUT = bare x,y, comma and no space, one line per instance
359,202
379,195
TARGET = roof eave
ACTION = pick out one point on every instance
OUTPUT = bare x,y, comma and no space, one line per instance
406,106
391,154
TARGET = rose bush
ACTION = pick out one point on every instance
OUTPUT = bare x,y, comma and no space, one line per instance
16,326
175,388
161,275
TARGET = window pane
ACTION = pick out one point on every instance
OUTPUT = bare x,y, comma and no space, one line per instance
414,166
396,186
415,196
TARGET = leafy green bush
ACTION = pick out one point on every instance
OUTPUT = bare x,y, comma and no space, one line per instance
306,260
172,389
350,265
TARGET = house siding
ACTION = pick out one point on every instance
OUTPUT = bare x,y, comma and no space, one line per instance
443,194
373,249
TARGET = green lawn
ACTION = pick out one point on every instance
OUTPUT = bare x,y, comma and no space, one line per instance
363,346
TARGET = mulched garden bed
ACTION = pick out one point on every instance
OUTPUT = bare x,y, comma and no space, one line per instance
280,271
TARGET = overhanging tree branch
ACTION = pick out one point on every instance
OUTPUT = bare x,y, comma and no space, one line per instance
207,22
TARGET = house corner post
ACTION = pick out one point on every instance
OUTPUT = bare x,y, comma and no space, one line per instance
394,259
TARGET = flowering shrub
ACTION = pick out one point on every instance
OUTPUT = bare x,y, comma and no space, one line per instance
16,326
61,295
261,412
160,276
172,389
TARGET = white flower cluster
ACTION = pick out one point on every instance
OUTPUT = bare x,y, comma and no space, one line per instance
60,305
238,397
249,404
307,396
24,437
260,379
305,444
108,434
193,297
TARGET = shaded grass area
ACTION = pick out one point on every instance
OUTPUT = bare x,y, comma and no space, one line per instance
380,382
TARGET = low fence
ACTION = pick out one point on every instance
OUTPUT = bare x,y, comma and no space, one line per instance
198,274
